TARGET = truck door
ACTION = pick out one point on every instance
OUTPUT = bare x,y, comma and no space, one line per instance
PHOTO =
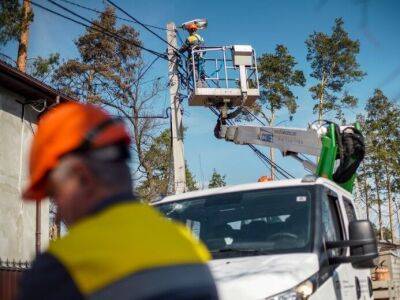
361,276
341,277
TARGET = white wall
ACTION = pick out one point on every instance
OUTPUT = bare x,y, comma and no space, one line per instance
17,218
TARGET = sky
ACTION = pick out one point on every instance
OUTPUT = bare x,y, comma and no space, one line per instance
263,25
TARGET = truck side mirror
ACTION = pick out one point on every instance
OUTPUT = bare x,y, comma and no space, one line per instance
362,243
362,230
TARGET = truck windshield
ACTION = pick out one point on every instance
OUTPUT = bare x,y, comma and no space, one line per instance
246,223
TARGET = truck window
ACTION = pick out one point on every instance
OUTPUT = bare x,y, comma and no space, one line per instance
350,212
331,223
249,222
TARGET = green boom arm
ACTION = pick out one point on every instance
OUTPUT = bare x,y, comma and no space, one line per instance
329,154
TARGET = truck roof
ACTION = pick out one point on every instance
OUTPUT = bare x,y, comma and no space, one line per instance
253,186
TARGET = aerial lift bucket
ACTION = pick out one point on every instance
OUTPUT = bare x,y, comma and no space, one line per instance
223,76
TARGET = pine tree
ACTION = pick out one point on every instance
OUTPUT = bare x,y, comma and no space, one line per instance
217,180
15,20
277,77
334,63
383,133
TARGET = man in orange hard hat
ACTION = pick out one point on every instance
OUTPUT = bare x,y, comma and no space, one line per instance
194,39
116,247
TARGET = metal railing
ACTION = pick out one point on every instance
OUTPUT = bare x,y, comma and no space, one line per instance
214,68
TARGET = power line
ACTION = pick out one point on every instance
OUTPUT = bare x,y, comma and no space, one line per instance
103,28
151,31
254,116
119,8
141,24
148,68
99,12
98,30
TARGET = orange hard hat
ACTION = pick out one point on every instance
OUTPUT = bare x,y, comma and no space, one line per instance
65,129
191,26
264,179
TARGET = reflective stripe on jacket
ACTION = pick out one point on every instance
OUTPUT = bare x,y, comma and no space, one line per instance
130,247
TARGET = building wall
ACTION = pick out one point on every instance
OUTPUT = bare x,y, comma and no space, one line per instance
17,218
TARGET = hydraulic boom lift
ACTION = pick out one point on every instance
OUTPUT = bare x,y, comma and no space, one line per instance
230,83
332,144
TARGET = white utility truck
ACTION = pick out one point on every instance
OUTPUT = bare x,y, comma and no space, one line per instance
286,239
281,240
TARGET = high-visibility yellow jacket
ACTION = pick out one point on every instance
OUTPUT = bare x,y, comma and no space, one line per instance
129,249
192,40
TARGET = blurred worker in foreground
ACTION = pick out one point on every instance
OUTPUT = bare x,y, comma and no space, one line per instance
116,247
194,39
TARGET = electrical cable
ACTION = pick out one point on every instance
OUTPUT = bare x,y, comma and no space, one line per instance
102,29
259,154
140,23
254,116
105,30
99,12
151,31
148,68
98,30
279,169
179,37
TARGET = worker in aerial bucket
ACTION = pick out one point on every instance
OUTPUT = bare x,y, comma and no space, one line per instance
194,39
116,247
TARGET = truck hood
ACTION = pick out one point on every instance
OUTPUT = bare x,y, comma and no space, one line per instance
258,277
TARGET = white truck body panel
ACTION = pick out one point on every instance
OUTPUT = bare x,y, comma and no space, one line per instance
257,277
263,276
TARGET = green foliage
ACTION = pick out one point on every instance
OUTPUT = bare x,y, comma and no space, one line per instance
217,180
11,17
191,183
334,64
159,157
380,172
107,68
277,76
42,68
382,125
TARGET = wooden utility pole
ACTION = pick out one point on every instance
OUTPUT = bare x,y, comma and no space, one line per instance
24,36
176,114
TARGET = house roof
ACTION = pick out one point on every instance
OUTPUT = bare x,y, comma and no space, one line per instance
32,89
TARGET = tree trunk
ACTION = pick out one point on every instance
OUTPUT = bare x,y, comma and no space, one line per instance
272,150
377,186
321,100
389,199
90,93
365,186
24,37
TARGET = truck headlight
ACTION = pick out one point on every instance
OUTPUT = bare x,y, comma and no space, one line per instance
300,292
